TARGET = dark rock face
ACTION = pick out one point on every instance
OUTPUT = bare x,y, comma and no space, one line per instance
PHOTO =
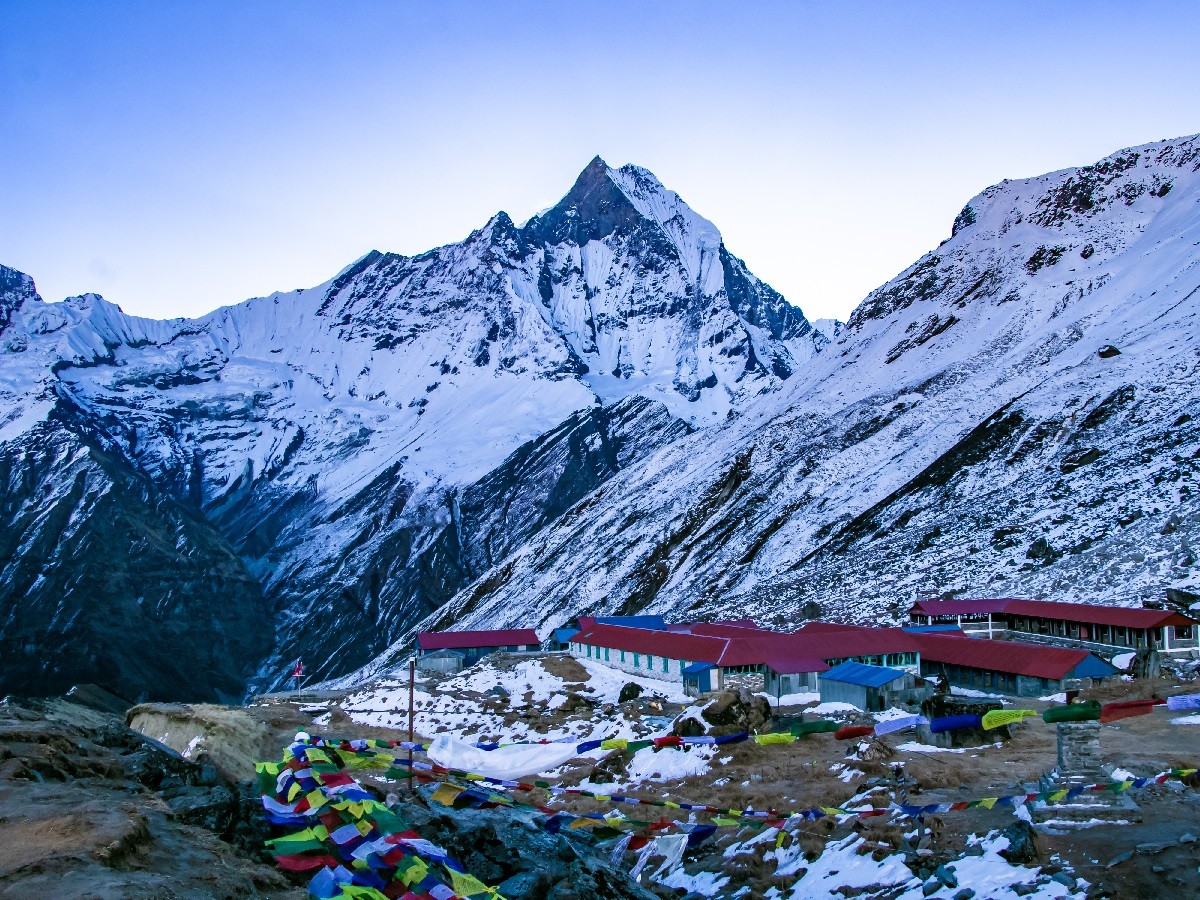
405,571
369,447
1022,843
592,210
103,578
15,289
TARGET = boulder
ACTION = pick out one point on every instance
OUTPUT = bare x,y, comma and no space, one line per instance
1022,843
631,691
613,767
734,711
688,726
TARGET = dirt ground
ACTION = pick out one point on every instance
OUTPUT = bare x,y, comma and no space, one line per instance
806,774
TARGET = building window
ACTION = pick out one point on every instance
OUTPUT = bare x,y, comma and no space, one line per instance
1183,632
650,661
666,664
637,660
606,654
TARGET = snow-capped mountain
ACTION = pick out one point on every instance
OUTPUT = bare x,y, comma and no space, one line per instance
1015,414
357,452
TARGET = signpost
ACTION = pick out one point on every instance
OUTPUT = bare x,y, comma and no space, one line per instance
412,679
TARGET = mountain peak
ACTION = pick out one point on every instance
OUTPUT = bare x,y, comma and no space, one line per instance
592,209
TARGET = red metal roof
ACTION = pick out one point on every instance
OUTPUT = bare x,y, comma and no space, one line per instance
692,647
459,640
1095,614
958,607
1088,613
731,630
1013,657
851,640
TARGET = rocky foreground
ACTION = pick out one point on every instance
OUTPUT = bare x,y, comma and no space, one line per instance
91,806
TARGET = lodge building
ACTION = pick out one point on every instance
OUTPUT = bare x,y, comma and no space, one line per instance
1026,655
1105,629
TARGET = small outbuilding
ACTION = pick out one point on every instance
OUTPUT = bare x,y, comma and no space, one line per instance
870,688
474,645
560,638
698,678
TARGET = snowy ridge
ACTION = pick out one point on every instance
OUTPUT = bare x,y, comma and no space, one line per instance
946,442
361,443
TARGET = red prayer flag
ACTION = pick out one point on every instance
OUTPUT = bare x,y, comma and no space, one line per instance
302,862
1124,709
849,732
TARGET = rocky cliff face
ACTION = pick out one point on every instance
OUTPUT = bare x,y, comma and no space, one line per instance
1012,415
603,410
116,581
359,452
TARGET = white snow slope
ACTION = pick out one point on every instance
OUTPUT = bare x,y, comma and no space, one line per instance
1014,414
330,433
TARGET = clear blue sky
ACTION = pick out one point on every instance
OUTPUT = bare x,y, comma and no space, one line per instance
181,156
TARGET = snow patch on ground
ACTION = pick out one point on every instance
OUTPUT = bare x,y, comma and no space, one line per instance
706,884
833,708
605,684
1186,720
915,747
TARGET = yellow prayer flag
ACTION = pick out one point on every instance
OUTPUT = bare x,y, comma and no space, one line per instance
316,799
445,794
465,884
775,738
999,717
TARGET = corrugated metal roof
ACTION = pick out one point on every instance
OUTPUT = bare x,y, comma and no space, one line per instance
1013,657
455,640
1086,613
651,623
959,607
692,647
1090,613
862,674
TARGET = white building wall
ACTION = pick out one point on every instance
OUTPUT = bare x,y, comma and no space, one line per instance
674,673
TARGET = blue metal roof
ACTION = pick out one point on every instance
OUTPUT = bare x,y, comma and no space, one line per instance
862,674
697,667
650,623
930,629
564,635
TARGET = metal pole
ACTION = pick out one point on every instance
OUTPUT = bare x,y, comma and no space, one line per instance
412,678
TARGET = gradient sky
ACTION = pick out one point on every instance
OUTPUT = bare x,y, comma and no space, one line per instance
177,157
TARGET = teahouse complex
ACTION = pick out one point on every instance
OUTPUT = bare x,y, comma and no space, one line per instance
1019,647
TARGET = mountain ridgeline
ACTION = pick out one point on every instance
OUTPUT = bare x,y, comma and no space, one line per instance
190,505
601,410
